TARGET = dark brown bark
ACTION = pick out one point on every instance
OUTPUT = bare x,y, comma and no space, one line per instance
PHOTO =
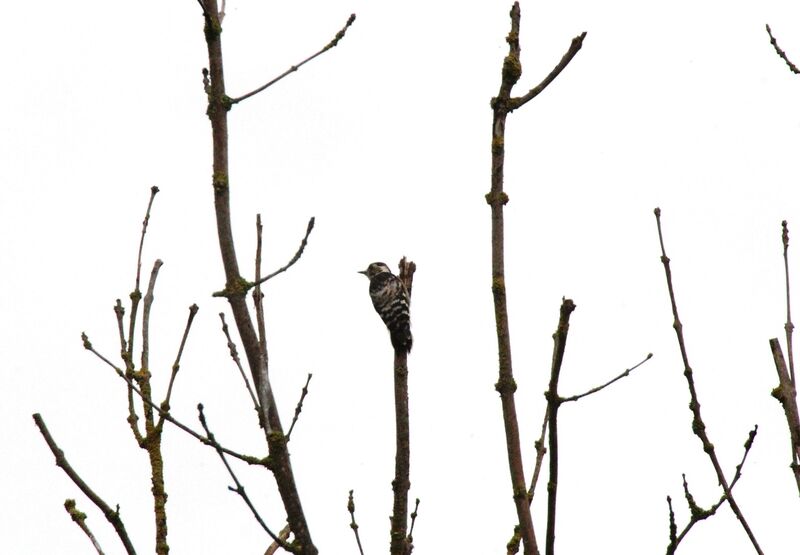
236,287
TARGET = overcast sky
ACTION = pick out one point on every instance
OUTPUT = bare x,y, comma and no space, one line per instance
386,141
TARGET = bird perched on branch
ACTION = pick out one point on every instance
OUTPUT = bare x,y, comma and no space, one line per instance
391,302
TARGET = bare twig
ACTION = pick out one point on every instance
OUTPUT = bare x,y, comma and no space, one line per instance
136,294
351,508
79,518
339,36
553,403
274,546
540,453
61,461
167,416
143,376
780,52
605,385
299,407
413,522
239,489
235,356
698,426
574,46
262,376
294,259
789,326
697,513
176,365
400,541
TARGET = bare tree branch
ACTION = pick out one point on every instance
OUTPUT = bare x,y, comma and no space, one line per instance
788,326
239,489
274,546
166,415
780,52
502,105
235,356
698,426
176,366
605,385
294,259
786,394
574,46
697,513
553,403
339,36
400,540
351,508
61,461
79,518
299,407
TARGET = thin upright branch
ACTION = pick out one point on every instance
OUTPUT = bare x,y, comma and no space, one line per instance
235,356
294,259
79,518
788,326
502,105
780,52
553,404
339,36
698,426
351,508
413,522
239,489
299,407
696,512
400,540
608,383
177,365
111,515
541,450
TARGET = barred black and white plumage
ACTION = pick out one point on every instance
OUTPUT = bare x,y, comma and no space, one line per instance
391,302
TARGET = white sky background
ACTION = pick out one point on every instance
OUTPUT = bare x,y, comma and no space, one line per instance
386,141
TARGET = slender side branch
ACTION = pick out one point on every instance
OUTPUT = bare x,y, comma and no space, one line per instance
294,259
351,508
167,416
299,407
788,326
780,52
235,356
284,535
605,385
698,426
111,515
574,46
176,365
339,36
239,489
79,518
698,513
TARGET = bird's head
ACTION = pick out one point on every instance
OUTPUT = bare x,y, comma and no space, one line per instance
374,269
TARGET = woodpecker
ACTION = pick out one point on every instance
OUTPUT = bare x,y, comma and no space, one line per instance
391,302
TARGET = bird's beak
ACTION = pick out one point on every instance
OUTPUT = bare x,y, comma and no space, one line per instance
362,272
